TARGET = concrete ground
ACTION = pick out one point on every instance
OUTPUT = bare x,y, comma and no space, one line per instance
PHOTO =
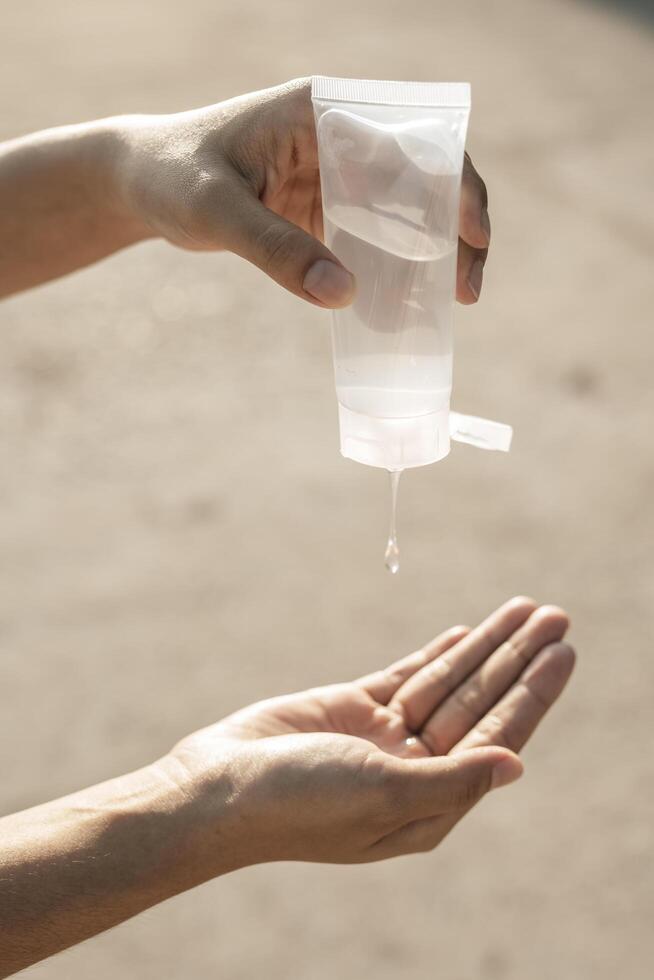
179,536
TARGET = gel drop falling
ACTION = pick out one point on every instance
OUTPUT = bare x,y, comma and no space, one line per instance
392,553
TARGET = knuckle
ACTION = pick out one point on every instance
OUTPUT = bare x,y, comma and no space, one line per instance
394,676
470,698
516,650
542,703
492,730
440,673
297,91
438,670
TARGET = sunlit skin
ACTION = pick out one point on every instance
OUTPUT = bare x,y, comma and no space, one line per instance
417,726
241,175
374,768
354,772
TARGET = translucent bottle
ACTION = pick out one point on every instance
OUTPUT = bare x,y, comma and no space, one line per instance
391,157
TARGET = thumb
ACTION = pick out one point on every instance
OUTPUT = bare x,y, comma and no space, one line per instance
286,253
456,782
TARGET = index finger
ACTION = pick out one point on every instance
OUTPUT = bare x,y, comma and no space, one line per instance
383,684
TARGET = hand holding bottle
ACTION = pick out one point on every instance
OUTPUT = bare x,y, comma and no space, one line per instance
243,175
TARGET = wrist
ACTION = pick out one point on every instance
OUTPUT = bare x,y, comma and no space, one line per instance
148,822
205,834
119,157
98,857
160,833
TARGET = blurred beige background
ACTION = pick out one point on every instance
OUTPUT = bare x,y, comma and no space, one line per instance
179,536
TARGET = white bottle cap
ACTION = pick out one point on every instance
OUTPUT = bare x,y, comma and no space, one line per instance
394,444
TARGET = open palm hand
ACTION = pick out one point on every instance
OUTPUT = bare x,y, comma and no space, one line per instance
389,763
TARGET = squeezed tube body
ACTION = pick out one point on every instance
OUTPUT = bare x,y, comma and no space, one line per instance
390,177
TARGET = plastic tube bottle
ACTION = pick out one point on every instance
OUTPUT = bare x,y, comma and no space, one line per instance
391,158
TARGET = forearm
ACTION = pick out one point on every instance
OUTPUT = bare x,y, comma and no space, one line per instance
62,202
77,866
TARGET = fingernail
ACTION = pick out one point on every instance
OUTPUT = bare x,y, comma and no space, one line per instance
329,283
505,772
485,225
475,277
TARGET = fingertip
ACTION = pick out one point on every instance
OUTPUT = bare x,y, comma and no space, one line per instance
475,278
558,611
330,284
562,653
565,657
488,755
554,614
474,229
523,598
442,643
506,771
457,781
523,603
567,654
465,296
496,765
